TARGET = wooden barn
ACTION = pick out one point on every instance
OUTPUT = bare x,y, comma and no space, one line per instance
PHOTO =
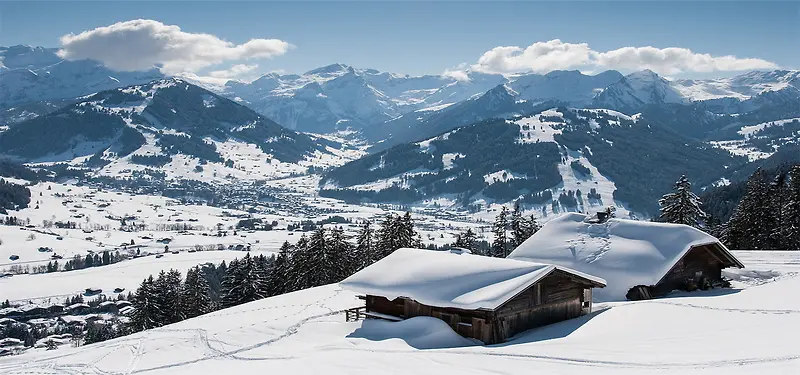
638,259
489,299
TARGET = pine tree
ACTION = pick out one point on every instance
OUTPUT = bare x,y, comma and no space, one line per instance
499,248
747,227
387,236
365,248
791,217
147,313
315,269
196,298
278,280
777,193
168,288
339,257
521,228
682,206
407,236
244,282
300,257
228,285
534,225
466,240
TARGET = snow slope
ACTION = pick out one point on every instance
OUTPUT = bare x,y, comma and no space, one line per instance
746,330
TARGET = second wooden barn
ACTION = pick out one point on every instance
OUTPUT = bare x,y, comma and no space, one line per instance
489,299
639,259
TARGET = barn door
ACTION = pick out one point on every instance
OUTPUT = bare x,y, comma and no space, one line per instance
586,301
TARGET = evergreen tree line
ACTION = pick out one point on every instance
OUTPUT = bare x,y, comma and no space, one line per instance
90,260
520,228
325,257
767,217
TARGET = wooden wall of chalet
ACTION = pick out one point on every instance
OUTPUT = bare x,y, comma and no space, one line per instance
705,260
555,298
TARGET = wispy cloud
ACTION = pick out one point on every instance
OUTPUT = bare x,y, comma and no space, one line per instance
144,44
543,57
235,71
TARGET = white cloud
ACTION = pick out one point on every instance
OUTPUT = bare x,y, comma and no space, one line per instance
543,57
540,57
144,44
235,71
458,73
676,60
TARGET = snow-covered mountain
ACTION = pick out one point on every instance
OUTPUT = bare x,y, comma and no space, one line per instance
338,96
31,78
500,102
572,87
168,124
740,87
544,157
634,91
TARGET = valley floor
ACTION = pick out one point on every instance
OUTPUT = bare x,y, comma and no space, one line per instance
745,330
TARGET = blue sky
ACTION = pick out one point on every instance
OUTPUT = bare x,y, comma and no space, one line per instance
429,37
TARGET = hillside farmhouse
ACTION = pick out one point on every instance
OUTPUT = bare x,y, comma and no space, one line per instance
489,299
638,259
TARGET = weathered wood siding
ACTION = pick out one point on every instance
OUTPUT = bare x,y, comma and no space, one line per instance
555,298
384,306
699,261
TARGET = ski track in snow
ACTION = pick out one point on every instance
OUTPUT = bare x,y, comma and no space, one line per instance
200,335
594,363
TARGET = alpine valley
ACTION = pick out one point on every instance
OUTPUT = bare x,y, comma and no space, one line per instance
561,141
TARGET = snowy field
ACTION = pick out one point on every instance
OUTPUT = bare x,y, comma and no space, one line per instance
53,287
97,214
746,330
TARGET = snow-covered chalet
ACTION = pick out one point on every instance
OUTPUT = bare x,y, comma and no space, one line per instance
488,299
638,259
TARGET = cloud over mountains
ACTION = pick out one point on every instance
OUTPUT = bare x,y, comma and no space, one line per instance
144,44
543,57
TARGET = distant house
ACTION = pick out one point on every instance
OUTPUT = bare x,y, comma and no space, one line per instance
638,259
11,312
55,309
489,299
33,311
78,308
108,307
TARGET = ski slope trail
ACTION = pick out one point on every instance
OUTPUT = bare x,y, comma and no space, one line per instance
744,330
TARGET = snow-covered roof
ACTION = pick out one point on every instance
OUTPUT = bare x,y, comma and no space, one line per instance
10,310
452,278
626,253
